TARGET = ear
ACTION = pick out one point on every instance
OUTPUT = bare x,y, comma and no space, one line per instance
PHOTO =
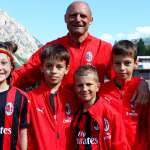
67,69
98,87
91,20
65,18
136,64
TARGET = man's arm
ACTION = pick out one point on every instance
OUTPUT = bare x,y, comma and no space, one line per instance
23,139
29,73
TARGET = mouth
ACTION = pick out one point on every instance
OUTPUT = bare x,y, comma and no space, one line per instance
77,26
53,78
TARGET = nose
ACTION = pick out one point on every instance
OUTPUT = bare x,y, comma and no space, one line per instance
53,69
122,66
84,88
78,17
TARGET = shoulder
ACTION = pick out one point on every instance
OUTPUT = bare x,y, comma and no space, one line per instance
35,92
102,43
104,109
18,91
58,40
107,87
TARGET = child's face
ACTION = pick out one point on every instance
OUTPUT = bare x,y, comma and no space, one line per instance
5,67
124,66
54,71
86,88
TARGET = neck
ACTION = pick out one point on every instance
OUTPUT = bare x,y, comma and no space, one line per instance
4,86
54,88
87,105
78,39
120,83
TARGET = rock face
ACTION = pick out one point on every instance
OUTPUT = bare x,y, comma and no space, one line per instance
11,30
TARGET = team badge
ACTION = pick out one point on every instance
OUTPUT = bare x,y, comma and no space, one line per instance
68,109
9,109
96,126
89,56
106,125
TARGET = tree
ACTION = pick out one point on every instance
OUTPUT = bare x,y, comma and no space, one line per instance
141,48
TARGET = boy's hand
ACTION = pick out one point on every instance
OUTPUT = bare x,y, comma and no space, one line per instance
141,95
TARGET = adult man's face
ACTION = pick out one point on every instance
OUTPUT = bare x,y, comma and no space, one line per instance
78,18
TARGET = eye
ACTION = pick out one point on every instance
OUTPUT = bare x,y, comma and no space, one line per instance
79,85
83,16
4,62
60,66
48,65
117,63
89,84
127,63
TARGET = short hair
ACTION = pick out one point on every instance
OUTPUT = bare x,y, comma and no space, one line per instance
125,47
84,69
55,52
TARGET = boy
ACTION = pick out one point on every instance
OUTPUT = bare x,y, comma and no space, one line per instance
13,107
96,125
52,105
120,90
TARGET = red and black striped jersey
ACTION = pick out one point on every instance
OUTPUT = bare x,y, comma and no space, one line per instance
87,132
13,117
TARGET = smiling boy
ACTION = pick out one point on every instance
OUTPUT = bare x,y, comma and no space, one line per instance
96,124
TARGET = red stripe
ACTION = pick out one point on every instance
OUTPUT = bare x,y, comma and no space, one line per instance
9,108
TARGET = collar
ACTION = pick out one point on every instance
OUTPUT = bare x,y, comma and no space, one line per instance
88,39
45,88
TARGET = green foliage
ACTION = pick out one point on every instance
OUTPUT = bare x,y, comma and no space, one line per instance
142,49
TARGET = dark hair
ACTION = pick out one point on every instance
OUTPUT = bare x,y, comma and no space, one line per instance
84,69
55,52
125,47
12,46
9,45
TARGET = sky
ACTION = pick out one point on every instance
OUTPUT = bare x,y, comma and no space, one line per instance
113,19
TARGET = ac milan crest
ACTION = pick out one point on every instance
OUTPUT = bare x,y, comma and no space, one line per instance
9,109
89,56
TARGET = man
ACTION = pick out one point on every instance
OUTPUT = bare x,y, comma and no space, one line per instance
83,49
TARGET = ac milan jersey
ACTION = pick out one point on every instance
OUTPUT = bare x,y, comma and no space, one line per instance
133,114
87,132
13,116
50,118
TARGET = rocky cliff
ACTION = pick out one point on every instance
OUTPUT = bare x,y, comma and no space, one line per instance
11,30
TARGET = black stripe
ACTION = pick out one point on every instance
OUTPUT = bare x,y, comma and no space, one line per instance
88,130
15,121
3,97
52,101
77,129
